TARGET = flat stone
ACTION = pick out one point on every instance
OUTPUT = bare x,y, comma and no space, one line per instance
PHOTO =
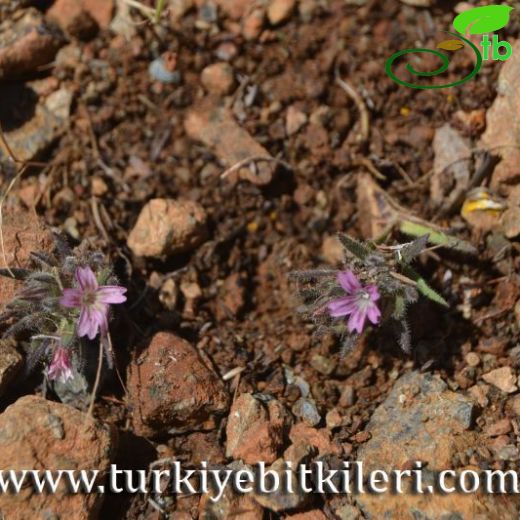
421,420
44,435
217,129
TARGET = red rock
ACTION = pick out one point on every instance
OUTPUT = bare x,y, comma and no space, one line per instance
23,233
472,122
231,296
170,388
218,78
81,18
503,378
230,506
101,10
252,24
497,428
332,250
278,11
301,433
236,9
166,227
255,432
215,126
26,43
44,435
294,120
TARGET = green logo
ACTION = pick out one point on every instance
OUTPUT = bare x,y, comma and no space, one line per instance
479,20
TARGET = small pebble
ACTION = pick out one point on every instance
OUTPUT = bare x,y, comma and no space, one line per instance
472,359
163,69
503,378
306,410
323,364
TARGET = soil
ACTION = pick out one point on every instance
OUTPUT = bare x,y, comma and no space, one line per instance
228,294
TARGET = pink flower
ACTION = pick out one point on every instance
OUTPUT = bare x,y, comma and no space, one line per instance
93,301
60,368
359,304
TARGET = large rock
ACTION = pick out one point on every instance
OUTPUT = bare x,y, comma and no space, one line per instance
421,417
166,227
423,421
255,431
171,389
26,43
502,135
43,435
23,233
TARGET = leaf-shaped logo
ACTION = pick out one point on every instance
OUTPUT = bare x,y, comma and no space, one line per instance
480,20
450,45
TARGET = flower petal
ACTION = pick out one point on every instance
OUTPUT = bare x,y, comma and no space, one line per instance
86,278
349,281
373,314
341,306
373,291
111,294
356,321
71,298
89,323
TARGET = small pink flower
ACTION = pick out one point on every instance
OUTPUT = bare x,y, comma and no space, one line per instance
93,301
359,304
60,368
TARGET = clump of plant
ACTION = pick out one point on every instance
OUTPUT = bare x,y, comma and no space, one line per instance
62,309
377,285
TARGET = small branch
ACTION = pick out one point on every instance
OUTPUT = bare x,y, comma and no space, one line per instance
98,378
360,104
255,158
402,278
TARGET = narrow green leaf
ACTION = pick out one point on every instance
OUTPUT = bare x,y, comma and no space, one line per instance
430,293
436,237
423,287
354,247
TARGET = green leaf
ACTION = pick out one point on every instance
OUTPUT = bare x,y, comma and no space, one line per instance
354,247
482,20
423,287
432,294
436,237
19,274
399,307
